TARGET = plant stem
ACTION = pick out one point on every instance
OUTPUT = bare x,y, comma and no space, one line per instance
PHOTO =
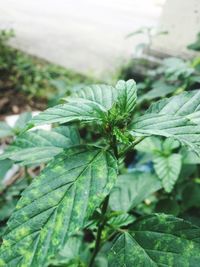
102,223
99,231
129,147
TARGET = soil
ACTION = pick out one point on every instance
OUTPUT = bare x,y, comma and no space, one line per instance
15,102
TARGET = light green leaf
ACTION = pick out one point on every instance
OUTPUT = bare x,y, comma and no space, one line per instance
157,240
186,104
150,145
76,109
5,130
131,189
160,89
127,96
168,169
39,146
22,120
57,204
173,117
5,165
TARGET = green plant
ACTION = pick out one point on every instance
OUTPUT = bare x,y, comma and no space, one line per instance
72,214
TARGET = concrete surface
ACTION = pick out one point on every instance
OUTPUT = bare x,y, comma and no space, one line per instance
181,18
87,36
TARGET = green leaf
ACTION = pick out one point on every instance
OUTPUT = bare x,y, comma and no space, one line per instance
22,120
160,89
186,104
73,252
127,96
176,117
5,165
120,220
103,94
168,169
35,147
131,189
56,205
157,240
5,130
76,109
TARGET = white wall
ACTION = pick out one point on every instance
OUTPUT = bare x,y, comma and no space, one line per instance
85,35
181,18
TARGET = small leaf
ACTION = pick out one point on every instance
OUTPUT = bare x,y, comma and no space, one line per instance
131,189
127,96
56,205
121,220
39,146
168,169
22,120
157,240
5,130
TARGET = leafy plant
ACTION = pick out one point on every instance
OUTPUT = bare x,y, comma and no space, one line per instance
78,212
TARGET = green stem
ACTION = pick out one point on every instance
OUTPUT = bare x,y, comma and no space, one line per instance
113,143
129,147
99,231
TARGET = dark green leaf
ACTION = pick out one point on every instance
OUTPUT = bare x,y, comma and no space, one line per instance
57,204
157,240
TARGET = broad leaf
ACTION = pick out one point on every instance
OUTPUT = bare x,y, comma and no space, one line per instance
186,104
76,109
157,240
57,204
41,146
133,188
168,169
103,94
127,96
176,117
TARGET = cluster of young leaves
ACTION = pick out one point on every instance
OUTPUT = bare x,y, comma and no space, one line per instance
81,178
